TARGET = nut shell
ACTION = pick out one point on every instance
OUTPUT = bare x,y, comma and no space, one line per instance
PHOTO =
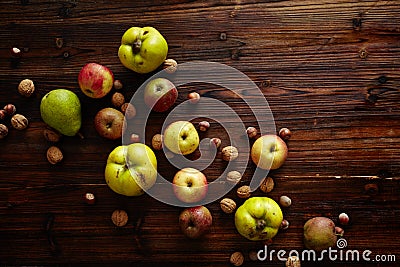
234,177
237,258
3,131
26,87
243,191
54,155
156,142
19,122
117,99
267,185
228,205
170,65
119,218
229,153
51,135
293,261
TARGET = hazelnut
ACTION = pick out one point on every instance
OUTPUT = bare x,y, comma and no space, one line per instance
3,131
253,255
194,97
117,99
51,135
135,138
229,153
3,114
228,205
129,110
26,87
285,134
119,218
234,177
344,218
267,185
54,155
284,224
118,85
19,122
215,142
285,201
204,125
10,109
293,261
156,142
90,198
243,191
339,231
237,258
251,132
170,65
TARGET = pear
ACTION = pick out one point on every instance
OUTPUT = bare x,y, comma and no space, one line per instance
319,233
61,110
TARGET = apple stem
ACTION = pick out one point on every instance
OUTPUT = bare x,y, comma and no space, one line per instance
136,45
80,135
261,224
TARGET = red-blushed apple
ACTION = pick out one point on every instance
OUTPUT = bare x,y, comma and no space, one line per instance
269,152
190,185
195,221
160,94
109,123
95,80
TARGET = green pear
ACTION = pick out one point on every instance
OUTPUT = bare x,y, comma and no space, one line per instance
61,110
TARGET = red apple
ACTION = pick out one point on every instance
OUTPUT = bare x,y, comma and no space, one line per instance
190,185
160,94
195,221
95,80
109,123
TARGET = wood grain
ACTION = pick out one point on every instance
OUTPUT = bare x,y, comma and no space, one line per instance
328,69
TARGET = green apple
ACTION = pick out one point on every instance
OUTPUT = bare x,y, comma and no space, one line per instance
142,49
131,169
181,137
258,218
269,152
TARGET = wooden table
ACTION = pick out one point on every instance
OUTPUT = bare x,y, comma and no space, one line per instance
328,69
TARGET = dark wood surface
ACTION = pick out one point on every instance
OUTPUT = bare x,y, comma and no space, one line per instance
330,71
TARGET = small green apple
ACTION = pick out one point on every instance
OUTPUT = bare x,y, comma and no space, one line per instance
131,169
181,137
142,49
258,218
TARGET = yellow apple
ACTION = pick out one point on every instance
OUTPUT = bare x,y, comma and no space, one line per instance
181,137
131,169
269,152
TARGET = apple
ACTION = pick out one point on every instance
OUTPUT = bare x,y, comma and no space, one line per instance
269,152
131,169
181,137
319,233
109,123
160,94
258,218
195,221
190,185
95,80
142,49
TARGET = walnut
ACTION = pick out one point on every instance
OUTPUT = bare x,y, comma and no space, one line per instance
267,185
234,177
170,65
156,142
26,87
228,205
54,155
229,153
117,99
237,258
19,122
243,191
119,218
293,261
